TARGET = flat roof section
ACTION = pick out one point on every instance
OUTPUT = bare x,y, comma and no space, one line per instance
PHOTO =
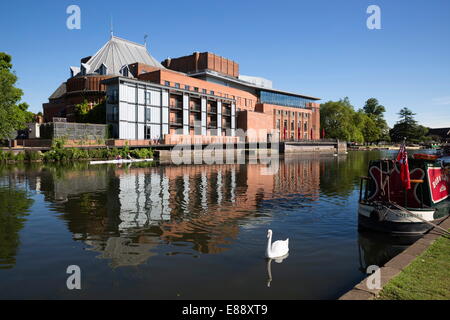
250,85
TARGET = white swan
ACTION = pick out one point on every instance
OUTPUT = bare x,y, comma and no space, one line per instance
278,248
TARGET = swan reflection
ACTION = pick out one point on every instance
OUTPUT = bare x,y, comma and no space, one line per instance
269,267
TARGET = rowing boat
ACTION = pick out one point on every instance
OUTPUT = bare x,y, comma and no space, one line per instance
122,161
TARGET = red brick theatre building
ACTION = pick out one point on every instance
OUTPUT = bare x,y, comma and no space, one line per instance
197,95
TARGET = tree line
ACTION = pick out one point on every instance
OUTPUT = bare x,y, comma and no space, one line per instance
14,114
340,120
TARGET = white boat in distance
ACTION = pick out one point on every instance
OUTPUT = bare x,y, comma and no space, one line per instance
121,161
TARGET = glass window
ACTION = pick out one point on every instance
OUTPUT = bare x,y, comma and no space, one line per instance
167,83
204,91
187,87
148,98
195,89
278,123
148,114
211,92
177,85
283,99
147,132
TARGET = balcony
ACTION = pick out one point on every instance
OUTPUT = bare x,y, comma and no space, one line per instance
226,124
176,106
195,108
176,122
197,123
212,110
212,125
226,112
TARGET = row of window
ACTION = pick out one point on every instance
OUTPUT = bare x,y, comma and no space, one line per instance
299,125
291,113
246,102
188,87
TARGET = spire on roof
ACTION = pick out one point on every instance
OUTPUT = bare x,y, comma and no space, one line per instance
111,27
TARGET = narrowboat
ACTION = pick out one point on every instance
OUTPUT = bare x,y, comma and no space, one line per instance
385,205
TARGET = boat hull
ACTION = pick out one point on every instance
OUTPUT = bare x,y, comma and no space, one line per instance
395,221
121,161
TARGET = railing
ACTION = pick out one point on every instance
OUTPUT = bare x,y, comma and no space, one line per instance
212,110
176,106
195,123
226,112
195,107
226,124
212,124
176,122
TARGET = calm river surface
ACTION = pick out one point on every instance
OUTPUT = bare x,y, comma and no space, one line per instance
185,232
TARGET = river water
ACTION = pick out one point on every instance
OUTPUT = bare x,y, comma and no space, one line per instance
186,232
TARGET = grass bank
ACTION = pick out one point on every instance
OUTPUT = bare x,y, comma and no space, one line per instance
426,278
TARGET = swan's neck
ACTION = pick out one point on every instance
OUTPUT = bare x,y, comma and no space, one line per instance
269,244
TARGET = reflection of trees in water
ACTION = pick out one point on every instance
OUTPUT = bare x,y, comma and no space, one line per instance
340,175
14,205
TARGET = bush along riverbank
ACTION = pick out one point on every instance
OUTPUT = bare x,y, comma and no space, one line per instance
426,278
60,153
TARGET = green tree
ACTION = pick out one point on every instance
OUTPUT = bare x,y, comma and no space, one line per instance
407,127
372,107
336,117
13,116
341,121
368,127
376,112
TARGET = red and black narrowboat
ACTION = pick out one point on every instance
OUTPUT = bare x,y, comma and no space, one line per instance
385,205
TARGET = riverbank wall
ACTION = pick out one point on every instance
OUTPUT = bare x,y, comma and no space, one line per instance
230,150
363,291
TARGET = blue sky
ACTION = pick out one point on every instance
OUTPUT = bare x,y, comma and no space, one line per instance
319,48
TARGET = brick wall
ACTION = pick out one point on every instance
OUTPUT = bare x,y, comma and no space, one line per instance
202,61
244,100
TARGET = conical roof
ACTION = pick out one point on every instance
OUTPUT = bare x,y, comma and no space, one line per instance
118,52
